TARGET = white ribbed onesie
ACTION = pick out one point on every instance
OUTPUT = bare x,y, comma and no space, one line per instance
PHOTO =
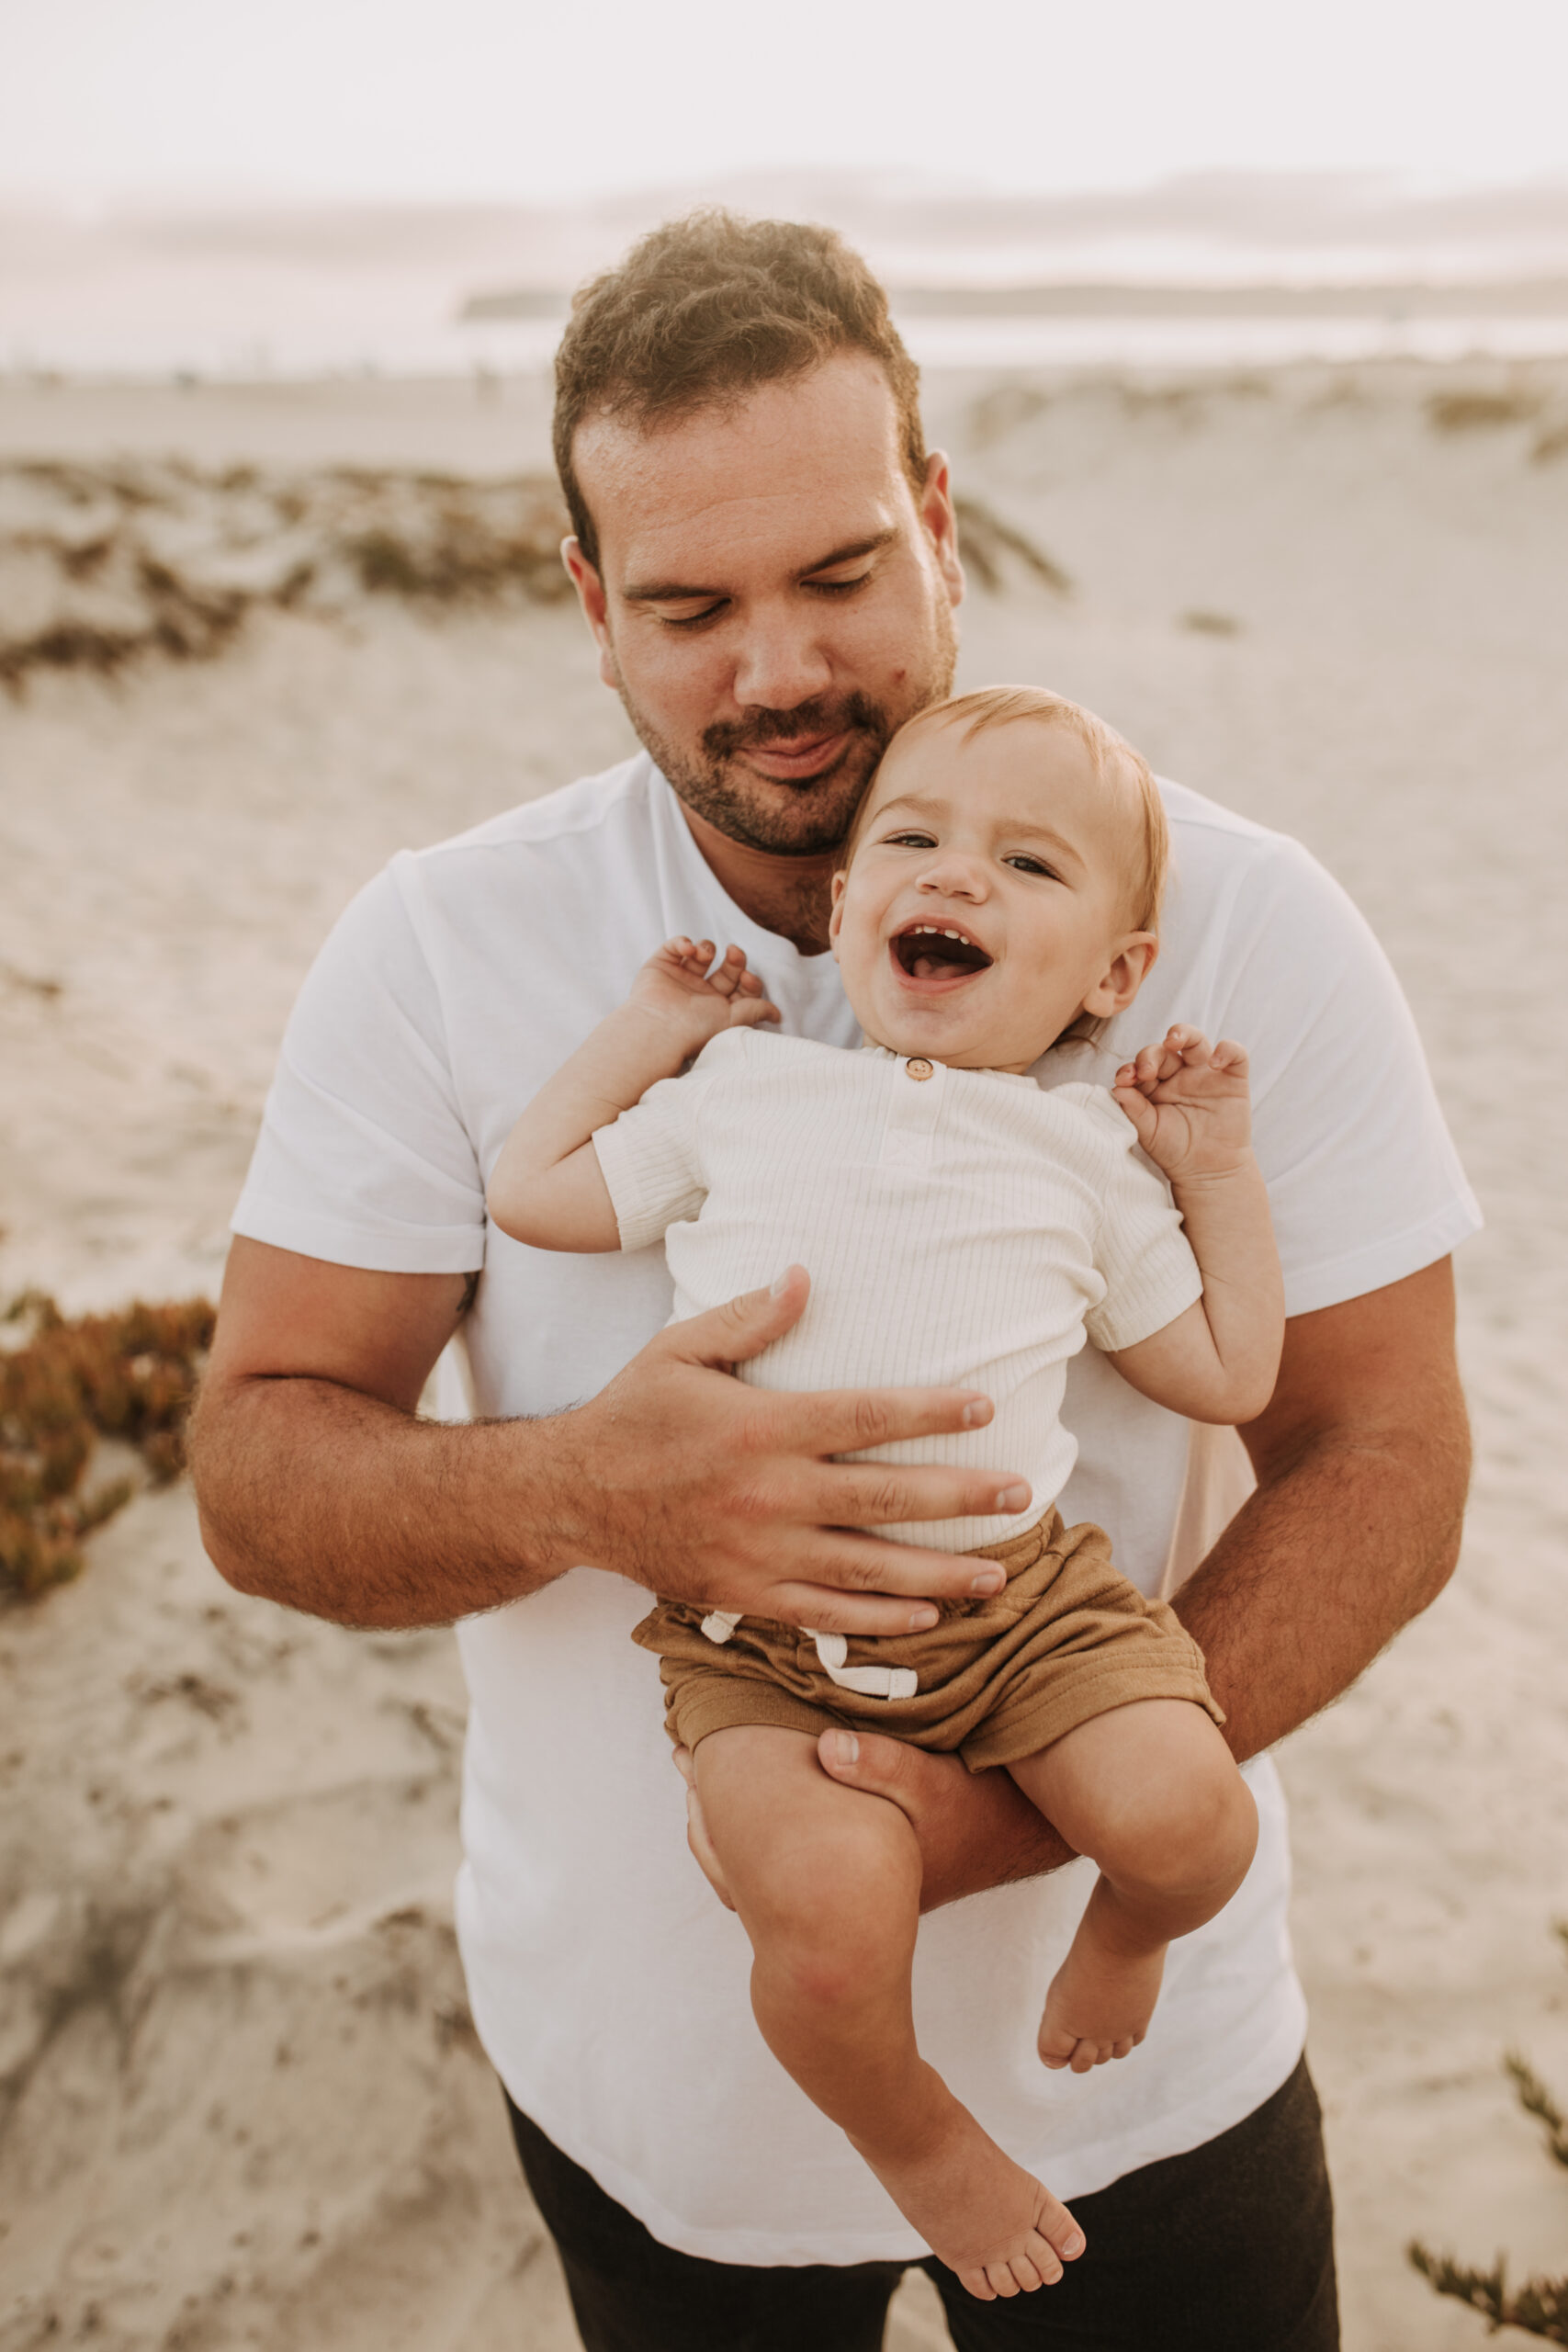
961,1227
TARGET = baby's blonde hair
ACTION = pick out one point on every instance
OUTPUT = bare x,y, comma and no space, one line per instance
1109,753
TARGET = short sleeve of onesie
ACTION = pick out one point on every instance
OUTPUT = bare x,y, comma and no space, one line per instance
650,1157
1140,1251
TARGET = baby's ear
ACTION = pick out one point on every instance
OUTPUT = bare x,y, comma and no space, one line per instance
1123,976
836,920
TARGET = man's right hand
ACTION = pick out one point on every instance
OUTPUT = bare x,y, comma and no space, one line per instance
708,1490
319,1488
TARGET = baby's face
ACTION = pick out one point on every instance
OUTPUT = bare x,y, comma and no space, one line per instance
986,906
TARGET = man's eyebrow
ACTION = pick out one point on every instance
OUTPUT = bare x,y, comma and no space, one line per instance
675,591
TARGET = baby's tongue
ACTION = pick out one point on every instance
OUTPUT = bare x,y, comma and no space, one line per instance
931,967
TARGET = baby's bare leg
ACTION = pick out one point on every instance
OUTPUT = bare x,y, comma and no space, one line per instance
1151,1792
826,1882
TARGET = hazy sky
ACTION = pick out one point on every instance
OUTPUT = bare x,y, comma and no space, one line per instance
215,99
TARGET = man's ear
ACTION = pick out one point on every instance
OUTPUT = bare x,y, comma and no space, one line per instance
937,515
584,578
836,920
1124,975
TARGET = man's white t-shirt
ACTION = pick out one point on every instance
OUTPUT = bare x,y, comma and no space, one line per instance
607,1985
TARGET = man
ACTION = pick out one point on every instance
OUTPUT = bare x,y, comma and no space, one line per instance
766,557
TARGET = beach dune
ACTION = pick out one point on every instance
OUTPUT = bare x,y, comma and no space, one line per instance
240,2102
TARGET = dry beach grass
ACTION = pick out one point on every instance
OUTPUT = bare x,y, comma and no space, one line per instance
239,2102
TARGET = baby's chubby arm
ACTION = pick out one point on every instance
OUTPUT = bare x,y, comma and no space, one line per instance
1189,1103
546,1187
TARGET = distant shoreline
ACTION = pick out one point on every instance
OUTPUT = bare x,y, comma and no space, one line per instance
1070,298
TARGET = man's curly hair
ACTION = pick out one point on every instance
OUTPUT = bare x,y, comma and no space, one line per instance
705,308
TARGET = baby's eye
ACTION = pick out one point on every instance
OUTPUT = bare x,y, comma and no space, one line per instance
910,840
1027,864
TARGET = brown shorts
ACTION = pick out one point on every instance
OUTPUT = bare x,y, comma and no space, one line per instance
1066,1638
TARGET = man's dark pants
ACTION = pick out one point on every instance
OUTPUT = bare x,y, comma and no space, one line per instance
1227,2249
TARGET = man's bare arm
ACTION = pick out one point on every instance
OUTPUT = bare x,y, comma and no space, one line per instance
319,1488
1363,1463
1362,1460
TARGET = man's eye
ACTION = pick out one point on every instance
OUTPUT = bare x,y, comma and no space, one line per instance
838,587
691,621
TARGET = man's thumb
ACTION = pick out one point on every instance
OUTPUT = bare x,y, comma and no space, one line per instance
743,1326
868,1762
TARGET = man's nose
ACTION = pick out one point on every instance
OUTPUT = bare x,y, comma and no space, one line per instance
780,663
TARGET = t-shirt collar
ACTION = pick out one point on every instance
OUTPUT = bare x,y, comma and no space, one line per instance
694,884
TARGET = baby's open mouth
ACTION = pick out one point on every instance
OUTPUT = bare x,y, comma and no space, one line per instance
931,951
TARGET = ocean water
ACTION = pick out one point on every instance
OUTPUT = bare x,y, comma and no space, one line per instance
378,290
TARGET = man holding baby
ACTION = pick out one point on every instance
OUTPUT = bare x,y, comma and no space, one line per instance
766,555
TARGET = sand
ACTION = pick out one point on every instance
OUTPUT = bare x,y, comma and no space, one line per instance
243,2101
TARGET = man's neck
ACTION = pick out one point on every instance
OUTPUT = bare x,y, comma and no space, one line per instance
790,895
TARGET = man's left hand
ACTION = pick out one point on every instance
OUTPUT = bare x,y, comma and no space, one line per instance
976,1829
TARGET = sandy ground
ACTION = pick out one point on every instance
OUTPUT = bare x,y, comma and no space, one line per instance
241,2101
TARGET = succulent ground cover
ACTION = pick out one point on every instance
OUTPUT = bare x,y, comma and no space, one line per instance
104,564
64,1383
1538,2306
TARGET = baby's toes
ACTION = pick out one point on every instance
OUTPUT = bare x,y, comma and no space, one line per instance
1038,2265
1060,2233
976,2283
1001,2280
1056,2045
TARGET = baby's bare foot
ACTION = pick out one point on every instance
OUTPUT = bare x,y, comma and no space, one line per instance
1099,2003
978,2211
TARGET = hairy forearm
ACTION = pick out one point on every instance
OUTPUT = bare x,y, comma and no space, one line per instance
348,1509
1337,1551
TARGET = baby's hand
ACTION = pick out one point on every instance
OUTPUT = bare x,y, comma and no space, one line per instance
676,986
1189,1103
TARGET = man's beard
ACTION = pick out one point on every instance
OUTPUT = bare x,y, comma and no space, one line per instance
804,819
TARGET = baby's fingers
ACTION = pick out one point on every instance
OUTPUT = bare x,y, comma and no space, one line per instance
1185,1048
1230,1059
728,972
1150,1066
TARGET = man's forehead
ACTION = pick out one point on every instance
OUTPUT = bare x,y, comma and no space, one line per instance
780,464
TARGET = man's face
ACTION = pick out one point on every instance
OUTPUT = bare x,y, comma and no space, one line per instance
772,600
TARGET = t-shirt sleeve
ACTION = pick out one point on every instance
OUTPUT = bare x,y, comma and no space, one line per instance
364,1157
651,1157
1141,1252
1364,1184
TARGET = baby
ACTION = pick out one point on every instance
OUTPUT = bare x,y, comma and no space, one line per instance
1000,892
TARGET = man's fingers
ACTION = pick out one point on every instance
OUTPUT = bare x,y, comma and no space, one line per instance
829,1608
842,1583
893,1496
742,1326
697,1837
848,1420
